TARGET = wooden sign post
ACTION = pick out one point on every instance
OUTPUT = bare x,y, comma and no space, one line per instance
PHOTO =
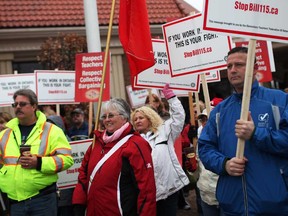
246,92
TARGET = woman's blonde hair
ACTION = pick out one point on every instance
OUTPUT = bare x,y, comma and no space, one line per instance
153,117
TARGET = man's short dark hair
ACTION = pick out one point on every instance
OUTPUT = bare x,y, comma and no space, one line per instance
27,93
238,50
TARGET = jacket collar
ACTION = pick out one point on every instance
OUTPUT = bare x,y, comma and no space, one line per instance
41,118
254,89
150,135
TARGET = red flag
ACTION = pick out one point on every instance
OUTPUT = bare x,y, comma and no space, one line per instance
135,36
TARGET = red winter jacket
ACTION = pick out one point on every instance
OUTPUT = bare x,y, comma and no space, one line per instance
125,183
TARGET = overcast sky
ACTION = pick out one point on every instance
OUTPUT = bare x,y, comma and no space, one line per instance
198,4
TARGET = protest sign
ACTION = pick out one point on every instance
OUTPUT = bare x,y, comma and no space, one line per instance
263,60
261,20
89,67
213,76
137,98
12,82
68,178
159,74
190,50
264,20
55,87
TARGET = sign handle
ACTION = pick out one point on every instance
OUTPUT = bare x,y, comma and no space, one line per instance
192,117
206,94
246,92
197,101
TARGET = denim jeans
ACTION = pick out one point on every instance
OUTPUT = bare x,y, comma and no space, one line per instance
210,210
45,205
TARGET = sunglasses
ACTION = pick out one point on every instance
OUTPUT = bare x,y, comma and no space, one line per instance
21,104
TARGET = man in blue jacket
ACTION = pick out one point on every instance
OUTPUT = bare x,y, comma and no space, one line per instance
258,183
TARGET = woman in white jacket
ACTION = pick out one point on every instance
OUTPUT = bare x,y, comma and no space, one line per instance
169,175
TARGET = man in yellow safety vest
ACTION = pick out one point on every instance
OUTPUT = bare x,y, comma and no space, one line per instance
32,152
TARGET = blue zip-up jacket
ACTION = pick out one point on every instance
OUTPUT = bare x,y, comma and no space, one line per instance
262,189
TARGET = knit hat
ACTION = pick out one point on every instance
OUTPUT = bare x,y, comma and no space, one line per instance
215,101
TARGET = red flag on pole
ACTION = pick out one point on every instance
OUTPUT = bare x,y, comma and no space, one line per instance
135,35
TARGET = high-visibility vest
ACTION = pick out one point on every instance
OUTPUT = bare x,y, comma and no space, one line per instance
5,137
21,184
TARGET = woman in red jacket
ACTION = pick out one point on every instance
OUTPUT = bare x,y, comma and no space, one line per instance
123,182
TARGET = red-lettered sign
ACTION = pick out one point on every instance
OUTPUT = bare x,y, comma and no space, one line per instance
191,50
55,87
158,75
68,178
262,56
88,69
263,20
10,83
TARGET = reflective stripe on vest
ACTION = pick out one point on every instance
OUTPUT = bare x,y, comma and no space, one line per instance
3,143
276,115
44,138
43,144
42,148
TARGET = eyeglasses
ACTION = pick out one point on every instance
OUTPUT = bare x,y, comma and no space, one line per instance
109,116
21,104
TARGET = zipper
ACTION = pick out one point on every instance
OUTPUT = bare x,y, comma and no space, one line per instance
246,213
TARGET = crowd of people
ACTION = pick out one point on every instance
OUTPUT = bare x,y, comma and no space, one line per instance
132,167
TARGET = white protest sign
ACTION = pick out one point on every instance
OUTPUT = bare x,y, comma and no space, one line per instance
213,76
262,19
190,50
137,98
271,56
181,93
12,82
159,74
210,77
69,177
55,86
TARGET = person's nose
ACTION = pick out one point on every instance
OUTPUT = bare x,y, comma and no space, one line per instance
233,68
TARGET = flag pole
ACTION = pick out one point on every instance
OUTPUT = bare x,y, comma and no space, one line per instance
93,40
104,66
